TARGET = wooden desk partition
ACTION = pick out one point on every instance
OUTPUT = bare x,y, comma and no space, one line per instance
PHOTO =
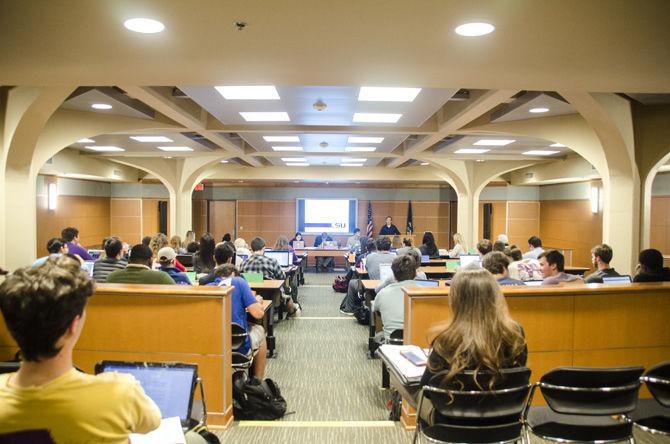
132,322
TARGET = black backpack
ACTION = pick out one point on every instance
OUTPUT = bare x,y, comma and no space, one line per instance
256,399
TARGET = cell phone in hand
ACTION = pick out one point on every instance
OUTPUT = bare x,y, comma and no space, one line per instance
415,358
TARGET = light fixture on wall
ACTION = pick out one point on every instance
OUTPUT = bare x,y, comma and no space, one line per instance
595,199
52,196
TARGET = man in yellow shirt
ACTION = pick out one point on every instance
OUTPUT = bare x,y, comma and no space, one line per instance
44,310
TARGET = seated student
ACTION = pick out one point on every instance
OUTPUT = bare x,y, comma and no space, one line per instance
221,256
138,270
282,245
111,262
498,246
167,257
601,255
188,239
496,263
71,236
481,335
269,268
390,301
176,244
192,248
146,241
56,247
650,267
227,238
459,247
44,309
407,247
323,261
428,246
241,247
159,241
203,260
503,238
534,248
241,302
523,269
552,266
391,279
484,246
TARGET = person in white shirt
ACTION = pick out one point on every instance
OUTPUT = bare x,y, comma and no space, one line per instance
459,247
354,240
534,248
390,301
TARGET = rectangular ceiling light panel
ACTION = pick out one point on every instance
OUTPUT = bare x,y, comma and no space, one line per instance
360,139
147,139
494,142
104,148
385,94
281,138
539,152
376,117
267,92
471,151
175,149
265,116
360,149
287,148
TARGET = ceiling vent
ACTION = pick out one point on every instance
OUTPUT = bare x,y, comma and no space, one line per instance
202,140
461,95
50,161
178,93
117,173
528,175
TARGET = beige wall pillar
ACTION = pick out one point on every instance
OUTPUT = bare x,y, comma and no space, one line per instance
467,222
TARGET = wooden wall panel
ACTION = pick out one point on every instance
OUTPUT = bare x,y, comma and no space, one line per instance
660,223
523,221
267,219
150,223
498,219
221,218
126,219
199,217
570,224
90,215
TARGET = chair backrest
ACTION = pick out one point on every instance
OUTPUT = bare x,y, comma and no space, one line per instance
591,391
465,398
396,337
238,335
185,259
9,366
37,436
657,380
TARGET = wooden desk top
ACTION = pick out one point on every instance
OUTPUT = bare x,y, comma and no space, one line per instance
180,290
266,285
371,284
266,304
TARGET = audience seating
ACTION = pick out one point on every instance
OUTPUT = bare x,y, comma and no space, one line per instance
239,361
39,436
582,402
657,380
469,412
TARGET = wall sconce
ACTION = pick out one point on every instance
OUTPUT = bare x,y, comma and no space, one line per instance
595,199
52,196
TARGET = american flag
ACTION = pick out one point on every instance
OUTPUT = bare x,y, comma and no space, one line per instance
370,225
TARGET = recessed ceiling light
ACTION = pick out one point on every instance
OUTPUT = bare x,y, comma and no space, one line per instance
294,159
538,110
471,151
147,139
281,138
144,25
265,116
425,163
224,161
255,92
494,142
287,148
101,106
298,164
85,140
351,164
360,149
354,159
357,139
539,152
104,148
474,29
385,94
175,148
557,145
167,157
480,160
376,117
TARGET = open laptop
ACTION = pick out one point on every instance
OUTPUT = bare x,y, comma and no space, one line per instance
425,259
466,260
625,279
533,283
385,272
88,266
95,254
170,385
243,257
427,283
283,257
298,245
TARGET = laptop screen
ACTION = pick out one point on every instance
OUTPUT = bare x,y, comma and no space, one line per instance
617,280
280,256
243,257
427,283
425,258
385,272
88,266
170,386
469,259
95,254
533,283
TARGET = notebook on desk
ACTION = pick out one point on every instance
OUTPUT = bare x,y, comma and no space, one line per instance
407,372
88,266
253,277
385,272
170,385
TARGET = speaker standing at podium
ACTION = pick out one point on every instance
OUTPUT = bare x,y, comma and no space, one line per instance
389,229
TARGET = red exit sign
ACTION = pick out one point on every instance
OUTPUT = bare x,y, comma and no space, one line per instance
200,187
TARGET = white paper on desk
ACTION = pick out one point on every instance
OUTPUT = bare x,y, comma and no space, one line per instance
410,371
169,432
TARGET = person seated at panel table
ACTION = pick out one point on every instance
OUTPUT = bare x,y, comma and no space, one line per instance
407,246
138,270
601,256
242,302
552,266
480,336
391,279
389,229
650,267
523,269
159,241
484,247
534,248
296,238
111,262
428,246
56,247
390,301
203,260
459,247
45,309
496,263
269,268
71,236
353,241
167,257
323,261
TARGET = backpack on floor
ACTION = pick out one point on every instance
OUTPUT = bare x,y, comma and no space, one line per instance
341,284
362,314
256,399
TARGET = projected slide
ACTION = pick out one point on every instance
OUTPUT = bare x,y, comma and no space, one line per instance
329,215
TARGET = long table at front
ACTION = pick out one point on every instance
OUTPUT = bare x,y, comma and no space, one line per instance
159,323
592,325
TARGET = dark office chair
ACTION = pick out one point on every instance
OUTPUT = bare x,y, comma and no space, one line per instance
239,335
9,367
657,380
581,403
473,411
39,436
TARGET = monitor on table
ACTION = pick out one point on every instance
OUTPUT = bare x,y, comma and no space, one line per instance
466,260
617,279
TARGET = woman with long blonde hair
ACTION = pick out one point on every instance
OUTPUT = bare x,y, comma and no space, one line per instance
459,246
481,335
